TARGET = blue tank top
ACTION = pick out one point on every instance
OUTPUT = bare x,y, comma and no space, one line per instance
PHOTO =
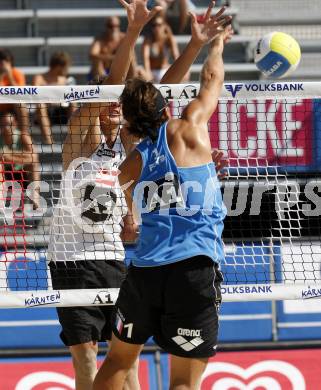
181,209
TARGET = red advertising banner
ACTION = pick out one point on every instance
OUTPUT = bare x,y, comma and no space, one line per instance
264,132
264,370
50,374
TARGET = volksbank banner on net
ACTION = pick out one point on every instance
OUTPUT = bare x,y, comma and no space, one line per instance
264,89
255,90
259,289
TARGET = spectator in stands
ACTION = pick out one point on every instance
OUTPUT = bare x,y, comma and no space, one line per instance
17,155
103,49
9,75
57,75
159,44
14,130
176,10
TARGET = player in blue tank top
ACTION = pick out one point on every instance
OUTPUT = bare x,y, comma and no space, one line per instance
172,289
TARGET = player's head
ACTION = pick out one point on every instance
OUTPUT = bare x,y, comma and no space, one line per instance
60,62
110,117
144,108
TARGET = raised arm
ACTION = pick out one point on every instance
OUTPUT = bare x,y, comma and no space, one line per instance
138,15
201,109
183,15
212,77
202,34
86,117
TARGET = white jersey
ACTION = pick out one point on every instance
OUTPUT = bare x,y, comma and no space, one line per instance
87,220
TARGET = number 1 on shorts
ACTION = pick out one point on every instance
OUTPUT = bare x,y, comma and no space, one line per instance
129,328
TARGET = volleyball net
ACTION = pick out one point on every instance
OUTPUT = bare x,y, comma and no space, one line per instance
271,134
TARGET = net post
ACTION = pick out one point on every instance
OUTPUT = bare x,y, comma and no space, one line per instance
273,303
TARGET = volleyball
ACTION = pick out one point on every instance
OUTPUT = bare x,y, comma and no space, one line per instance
277,55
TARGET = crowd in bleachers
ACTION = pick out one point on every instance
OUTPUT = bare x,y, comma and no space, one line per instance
17,150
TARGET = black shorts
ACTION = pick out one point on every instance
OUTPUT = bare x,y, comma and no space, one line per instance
86,323
177,304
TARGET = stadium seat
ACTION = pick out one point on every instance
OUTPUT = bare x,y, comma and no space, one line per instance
82,22
40,4
78,48
237,71
77,4
74,22
286,15
16,23
26,51
12,4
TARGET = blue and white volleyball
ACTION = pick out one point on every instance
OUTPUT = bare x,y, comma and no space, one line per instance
277,55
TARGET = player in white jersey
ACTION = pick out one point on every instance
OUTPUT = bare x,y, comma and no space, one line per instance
86,250
87,219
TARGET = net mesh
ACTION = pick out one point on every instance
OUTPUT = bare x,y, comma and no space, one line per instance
272,191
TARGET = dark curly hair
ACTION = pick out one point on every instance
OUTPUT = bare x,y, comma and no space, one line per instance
6,55
143,107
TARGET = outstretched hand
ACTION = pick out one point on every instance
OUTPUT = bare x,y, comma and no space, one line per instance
137,12
220,163
211,26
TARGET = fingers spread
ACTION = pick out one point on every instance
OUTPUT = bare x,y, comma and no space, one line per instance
155,11
124,3
219,155
193,17
209,11
224,21
220,12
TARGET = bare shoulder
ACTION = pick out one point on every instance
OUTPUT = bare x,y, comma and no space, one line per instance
175,131
128,140
133,158
131,167
39,79
97,41
173,126
147,40
188,131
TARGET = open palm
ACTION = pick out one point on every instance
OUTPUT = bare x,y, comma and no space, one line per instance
137,12
211,26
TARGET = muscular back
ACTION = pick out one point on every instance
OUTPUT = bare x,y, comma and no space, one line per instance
187,149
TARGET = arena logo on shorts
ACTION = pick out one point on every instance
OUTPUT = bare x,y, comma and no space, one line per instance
188,345
29,91
189,332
